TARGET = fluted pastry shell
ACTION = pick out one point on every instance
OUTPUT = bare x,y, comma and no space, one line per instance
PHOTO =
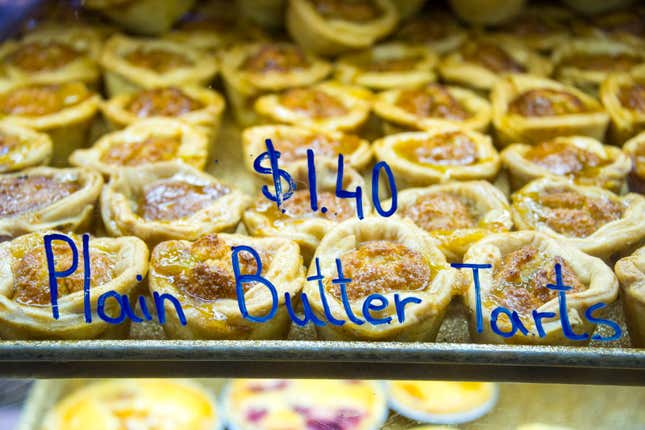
626,121
631,274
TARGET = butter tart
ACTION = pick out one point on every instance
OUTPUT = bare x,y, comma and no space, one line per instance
590,218
253,69
63,111
198,106
542,27
623,96
481,62
296,220
583,160
136,403
171,200
145,142
586,63
292,142
148,17
264,404
330,27
531,109
387,66
53,57
267,13
391,258
523,264
443,154
627,26
131,64
25,301
43,198
421,108
21,147
200,275
438,31
631,274
635,149
328,105
457,214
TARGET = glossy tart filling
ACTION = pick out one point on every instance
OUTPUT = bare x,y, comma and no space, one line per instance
313,103
22,194
561,158
602,62
632,97
442,212
344,10
574,214
41,56
381,266
173,199
12,150
449,149
39,100
169,101
151,150
432,101
30,272
491,57
520,280
546,102
203,270
298,208
275,58
293,148
159,60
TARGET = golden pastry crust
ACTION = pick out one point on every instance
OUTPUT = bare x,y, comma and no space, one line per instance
43,198
457,214
523,263
21,147
592,219
541,27
292,142
531,109
148,17
328,105
385,256
330,27
199,274
63,111
140,402
131,64
25,310
198,106
623,96
438,31
165,201
444,154
583,160
147,141
53,57
300,223
631,274
424,107
252,69
481,63
635,149
586,63
386,66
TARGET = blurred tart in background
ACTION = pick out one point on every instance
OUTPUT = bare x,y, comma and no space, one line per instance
631,274
623,96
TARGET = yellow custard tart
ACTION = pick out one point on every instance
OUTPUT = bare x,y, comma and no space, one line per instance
130,64
523,265
531,109
171,200
386,260
583,160
623,96
21,147
330,27
202,278
635,149
446,153
26,310
631,274
590,218
43,198
147,141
